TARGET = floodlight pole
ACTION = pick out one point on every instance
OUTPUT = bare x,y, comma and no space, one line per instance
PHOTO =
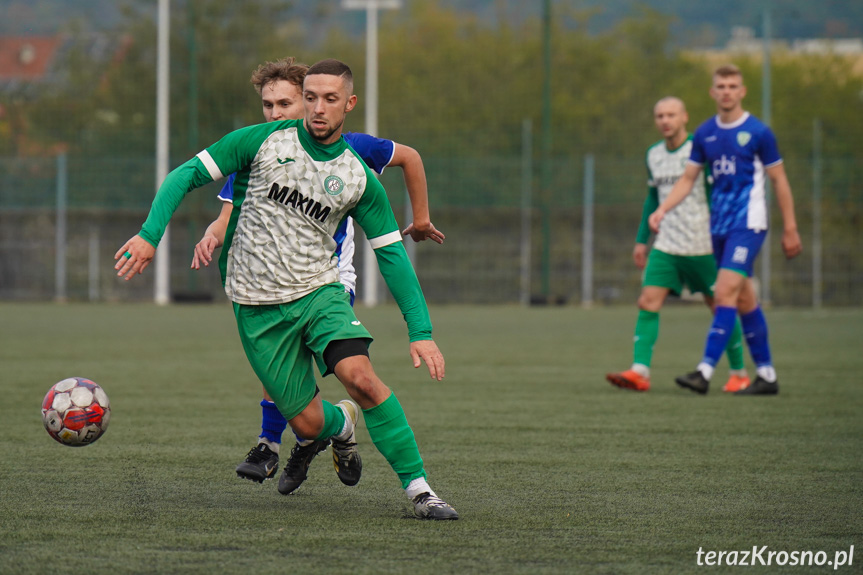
163,259
370,271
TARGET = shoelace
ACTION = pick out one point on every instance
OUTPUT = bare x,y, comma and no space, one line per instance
300,455
257,454
430,500
343,446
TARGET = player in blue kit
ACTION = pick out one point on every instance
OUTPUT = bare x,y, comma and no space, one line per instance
279,84
741,153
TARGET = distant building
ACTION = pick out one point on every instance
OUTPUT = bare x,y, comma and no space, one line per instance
26,59
28,62
842,46
744,41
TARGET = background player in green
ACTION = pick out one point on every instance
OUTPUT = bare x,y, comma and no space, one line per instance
296,181
682,253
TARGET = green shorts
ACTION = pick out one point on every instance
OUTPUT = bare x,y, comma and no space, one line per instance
282,341
698,273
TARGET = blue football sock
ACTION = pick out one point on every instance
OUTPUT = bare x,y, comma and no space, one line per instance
755,331
273,423
720,332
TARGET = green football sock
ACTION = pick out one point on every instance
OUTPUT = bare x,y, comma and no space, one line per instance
391,434
334,421
734,349
646,334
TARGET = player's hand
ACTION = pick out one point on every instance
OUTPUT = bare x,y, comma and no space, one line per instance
639,255
204,251
655,219
791,244
427,351
134,257
422,232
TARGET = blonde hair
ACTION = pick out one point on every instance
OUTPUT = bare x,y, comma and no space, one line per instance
284,69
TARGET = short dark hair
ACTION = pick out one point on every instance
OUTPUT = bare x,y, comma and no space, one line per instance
287,69
332,67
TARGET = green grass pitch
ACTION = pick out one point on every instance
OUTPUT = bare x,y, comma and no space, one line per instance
552,469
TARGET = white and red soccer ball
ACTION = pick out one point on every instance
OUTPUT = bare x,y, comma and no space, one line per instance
76,411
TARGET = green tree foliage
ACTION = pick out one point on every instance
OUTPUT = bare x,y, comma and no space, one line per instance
110,107
451,85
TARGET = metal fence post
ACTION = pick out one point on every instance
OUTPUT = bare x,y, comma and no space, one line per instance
60,237
526,200
766,117
816,213
93,261
587,235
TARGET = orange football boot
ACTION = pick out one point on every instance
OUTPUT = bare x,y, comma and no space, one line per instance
736,383
629,379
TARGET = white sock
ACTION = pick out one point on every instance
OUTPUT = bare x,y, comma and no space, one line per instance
417,486
274,447
641,370
706,370
301,441
347,429
767,373
738,372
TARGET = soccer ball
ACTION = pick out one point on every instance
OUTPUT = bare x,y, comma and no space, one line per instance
76,411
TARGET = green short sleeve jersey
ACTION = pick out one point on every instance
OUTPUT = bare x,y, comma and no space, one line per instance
293,193
685,230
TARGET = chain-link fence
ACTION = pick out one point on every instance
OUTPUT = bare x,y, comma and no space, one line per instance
509,237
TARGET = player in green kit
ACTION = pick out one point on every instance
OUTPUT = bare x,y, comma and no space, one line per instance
296,181
682,253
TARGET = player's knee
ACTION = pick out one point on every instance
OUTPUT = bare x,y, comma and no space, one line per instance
648,303
747,301
726,295
360,380
307,428
349,360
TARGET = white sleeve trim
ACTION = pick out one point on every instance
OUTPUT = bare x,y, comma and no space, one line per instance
776,163
390,161
386,239
210,164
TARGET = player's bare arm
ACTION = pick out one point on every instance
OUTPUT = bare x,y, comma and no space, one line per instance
639,255
213,238
678,193
426,350
411,163
791,244
133,257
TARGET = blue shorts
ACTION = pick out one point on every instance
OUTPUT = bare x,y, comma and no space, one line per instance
738,249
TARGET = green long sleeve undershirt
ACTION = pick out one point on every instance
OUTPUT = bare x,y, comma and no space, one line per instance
177,184
651,202
402,282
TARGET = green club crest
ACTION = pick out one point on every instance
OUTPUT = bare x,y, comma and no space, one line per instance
334,185
743,138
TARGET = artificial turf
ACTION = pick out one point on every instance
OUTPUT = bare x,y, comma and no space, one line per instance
552,469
